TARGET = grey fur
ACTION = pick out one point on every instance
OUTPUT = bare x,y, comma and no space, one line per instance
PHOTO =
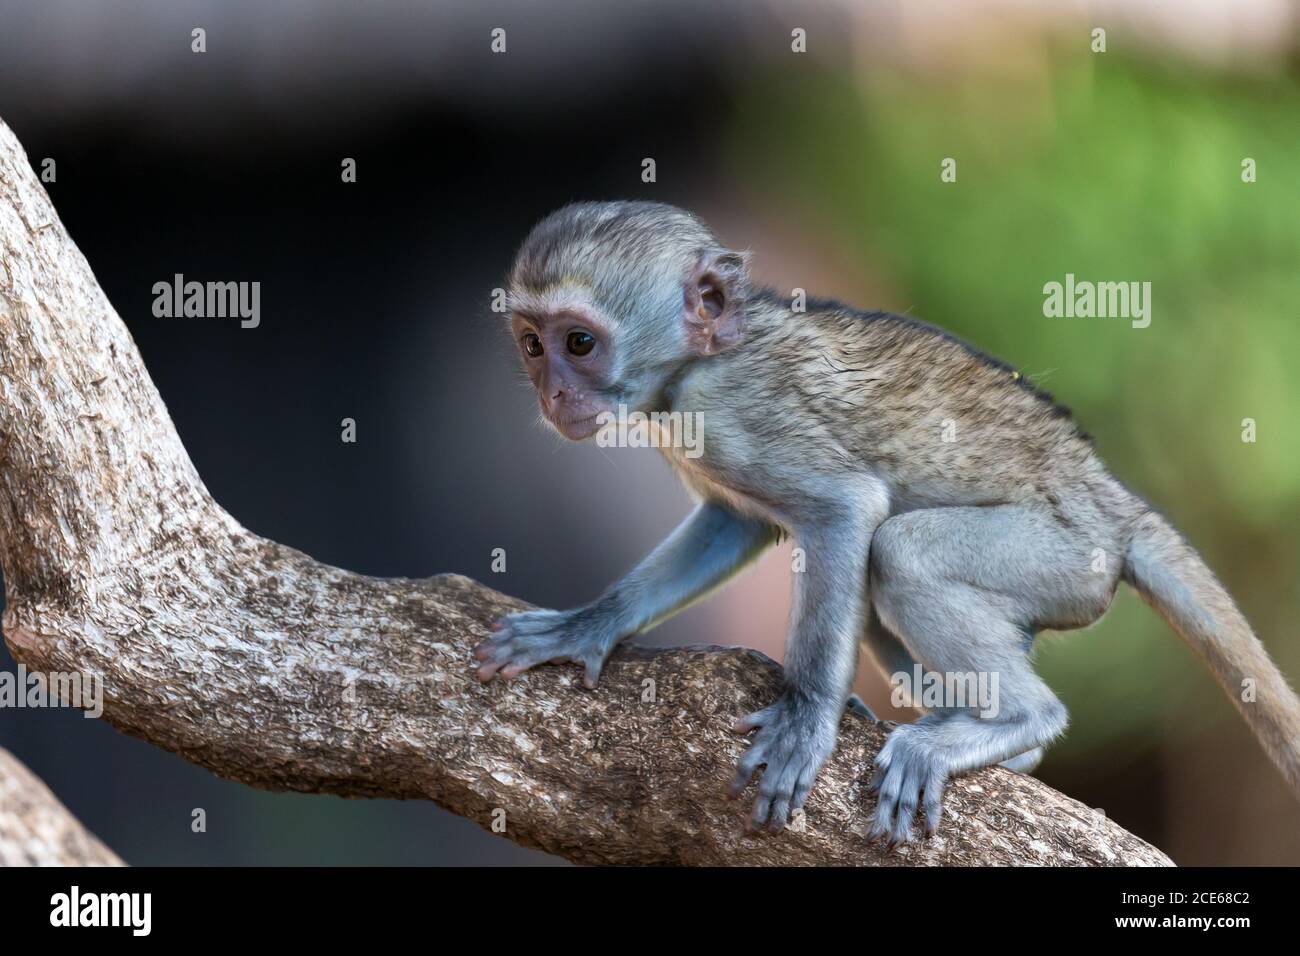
948,511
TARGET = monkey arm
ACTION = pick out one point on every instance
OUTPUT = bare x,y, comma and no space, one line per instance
797,734
707,549
830,607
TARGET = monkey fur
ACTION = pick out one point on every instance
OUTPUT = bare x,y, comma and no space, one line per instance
947,510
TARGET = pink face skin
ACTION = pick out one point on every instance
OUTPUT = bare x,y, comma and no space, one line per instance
568,357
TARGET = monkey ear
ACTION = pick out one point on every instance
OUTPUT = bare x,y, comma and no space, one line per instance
714,302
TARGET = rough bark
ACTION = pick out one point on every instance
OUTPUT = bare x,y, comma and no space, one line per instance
37,830
265,666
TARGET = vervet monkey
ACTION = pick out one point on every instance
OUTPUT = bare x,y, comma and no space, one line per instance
947,510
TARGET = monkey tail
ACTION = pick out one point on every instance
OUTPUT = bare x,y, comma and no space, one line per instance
1173,579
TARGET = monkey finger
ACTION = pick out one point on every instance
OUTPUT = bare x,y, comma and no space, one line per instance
780,812
905,813
750,762
781,789
520,664
780,815
493,651
488,671
509,622
803,785
487,650
744,725
501,633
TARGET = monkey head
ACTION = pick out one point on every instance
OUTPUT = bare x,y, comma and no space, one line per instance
610,301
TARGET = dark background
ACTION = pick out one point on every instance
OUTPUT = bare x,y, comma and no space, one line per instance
375,306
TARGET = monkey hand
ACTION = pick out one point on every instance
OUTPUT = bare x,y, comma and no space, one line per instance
796,735
584,635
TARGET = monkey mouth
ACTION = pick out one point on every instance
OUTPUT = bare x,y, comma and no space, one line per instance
577,428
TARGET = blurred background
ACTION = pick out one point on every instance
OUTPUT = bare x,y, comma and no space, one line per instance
1117,165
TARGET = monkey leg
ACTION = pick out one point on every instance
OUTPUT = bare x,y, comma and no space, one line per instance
892,658
887,651
1025,762
965,589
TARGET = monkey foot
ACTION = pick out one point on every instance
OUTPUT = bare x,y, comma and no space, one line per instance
909,771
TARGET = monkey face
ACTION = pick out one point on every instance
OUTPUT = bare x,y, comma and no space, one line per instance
568,356
610,300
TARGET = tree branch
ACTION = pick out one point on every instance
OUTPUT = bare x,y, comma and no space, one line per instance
251,659
37,830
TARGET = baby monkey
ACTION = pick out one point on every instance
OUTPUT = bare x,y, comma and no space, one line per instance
946,510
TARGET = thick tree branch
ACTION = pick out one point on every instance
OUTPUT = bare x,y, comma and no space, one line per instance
251,659
37,830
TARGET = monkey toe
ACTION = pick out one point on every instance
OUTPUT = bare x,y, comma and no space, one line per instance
906,769
933,801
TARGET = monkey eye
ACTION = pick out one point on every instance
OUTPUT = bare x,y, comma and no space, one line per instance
532,344
580,343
